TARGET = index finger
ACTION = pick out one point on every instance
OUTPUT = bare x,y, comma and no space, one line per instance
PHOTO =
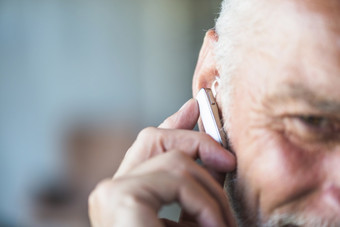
153,141
185,118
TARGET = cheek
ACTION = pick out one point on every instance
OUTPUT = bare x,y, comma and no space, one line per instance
274,171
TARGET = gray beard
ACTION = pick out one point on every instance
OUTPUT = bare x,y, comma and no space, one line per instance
299,220
243,215
246,218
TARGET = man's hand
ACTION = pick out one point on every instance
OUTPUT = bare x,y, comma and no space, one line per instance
160,169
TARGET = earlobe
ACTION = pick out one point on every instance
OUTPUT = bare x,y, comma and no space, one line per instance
206,70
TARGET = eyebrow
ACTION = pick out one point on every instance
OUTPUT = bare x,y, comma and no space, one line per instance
302,93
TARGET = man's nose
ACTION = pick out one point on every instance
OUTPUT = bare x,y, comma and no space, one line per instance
331,168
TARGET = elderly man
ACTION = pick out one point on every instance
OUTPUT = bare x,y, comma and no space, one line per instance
279,68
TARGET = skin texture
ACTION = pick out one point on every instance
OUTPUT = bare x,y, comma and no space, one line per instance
158,169
286,133
285,124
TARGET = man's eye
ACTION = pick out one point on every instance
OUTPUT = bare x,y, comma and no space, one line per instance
312,128
316,122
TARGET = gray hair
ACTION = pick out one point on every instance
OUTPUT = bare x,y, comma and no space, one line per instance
236,26
226,56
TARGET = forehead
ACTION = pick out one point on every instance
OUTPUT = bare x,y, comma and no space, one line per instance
299,43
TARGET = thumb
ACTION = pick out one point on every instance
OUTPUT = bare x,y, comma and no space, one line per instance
185,118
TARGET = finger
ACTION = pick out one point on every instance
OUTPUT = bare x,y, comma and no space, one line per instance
220,179
185,118
164,188
118,203
178,163
153,141
136,200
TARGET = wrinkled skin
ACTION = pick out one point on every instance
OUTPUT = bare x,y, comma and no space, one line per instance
287,131
284,131
159,169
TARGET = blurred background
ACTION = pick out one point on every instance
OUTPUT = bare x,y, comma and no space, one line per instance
78,80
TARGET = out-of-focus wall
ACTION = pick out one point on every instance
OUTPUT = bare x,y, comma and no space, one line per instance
77,74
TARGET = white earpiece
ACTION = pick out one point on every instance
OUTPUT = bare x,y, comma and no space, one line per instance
214,84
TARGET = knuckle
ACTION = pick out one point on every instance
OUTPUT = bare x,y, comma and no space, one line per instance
177,155
179,159
100,191
182,175
205,140
175,158
123,194
146,133
130,201
111,190
103,186
205,137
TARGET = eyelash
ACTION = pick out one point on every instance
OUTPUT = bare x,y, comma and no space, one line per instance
314,121
313,128
322,123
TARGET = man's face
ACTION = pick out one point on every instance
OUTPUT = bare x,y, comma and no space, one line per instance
285,118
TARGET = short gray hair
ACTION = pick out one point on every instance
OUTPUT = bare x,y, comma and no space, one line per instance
235,27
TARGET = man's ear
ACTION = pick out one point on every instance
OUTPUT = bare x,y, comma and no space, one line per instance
206,70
